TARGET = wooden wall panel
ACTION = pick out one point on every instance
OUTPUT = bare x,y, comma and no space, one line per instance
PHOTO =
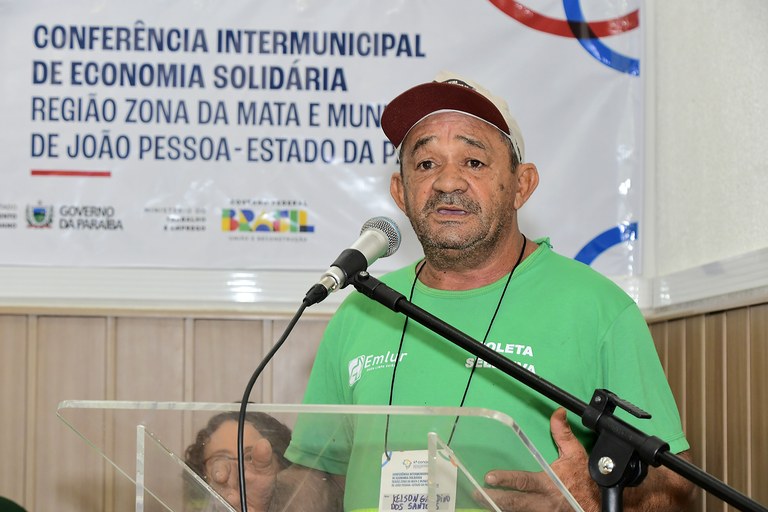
715,448
149,366
659,334
226,352
722,357
758,369
676,365
71,358
149,359
737,399
293,361
695,402
14,399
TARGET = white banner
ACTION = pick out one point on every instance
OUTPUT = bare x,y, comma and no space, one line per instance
246,134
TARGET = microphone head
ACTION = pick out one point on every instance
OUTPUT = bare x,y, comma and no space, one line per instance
390,230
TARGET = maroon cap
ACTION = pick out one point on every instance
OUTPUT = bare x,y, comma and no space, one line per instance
447,94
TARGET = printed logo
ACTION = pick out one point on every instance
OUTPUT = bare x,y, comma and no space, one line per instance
371,362
275,221
39,216
356,369
587,33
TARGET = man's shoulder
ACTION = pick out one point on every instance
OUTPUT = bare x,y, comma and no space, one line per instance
568,273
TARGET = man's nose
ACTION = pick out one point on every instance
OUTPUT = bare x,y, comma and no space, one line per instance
450,179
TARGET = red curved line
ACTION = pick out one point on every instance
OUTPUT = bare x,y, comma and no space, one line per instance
537,21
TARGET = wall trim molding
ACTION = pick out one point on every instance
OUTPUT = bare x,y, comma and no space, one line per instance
734,282
730,283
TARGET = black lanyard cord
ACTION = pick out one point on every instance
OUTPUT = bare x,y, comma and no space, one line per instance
474,365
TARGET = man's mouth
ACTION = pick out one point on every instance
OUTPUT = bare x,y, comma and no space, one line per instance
451,211
453,205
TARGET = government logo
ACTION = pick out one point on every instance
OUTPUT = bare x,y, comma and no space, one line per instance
39,216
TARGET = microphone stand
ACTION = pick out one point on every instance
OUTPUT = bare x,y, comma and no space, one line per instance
621,454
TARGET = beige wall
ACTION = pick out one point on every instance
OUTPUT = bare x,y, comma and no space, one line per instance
706,70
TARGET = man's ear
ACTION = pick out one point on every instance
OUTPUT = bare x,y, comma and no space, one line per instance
397,190
527,181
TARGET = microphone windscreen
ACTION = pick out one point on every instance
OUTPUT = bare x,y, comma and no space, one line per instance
390,230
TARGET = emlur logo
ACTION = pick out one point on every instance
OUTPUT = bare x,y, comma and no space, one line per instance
356,369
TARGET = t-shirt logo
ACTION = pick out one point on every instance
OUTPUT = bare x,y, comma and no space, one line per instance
356,369
372,363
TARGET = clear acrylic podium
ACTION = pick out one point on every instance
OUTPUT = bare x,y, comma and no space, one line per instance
145,442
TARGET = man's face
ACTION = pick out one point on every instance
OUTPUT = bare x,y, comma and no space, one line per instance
457,186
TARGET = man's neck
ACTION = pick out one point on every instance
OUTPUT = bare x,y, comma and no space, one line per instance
458,273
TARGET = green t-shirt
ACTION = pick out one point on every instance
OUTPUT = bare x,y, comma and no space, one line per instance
558,318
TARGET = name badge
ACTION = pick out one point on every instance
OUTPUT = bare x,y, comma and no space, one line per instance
405,481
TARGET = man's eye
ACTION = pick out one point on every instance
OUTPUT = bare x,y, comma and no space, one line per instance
425,165
475,164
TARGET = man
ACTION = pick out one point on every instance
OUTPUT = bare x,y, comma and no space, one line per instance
462,181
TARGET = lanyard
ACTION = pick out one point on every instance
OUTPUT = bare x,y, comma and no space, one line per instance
474,365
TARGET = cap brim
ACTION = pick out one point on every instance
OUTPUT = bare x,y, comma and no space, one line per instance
410,107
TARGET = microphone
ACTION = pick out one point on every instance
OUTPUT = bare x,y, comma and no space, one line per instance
379,238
